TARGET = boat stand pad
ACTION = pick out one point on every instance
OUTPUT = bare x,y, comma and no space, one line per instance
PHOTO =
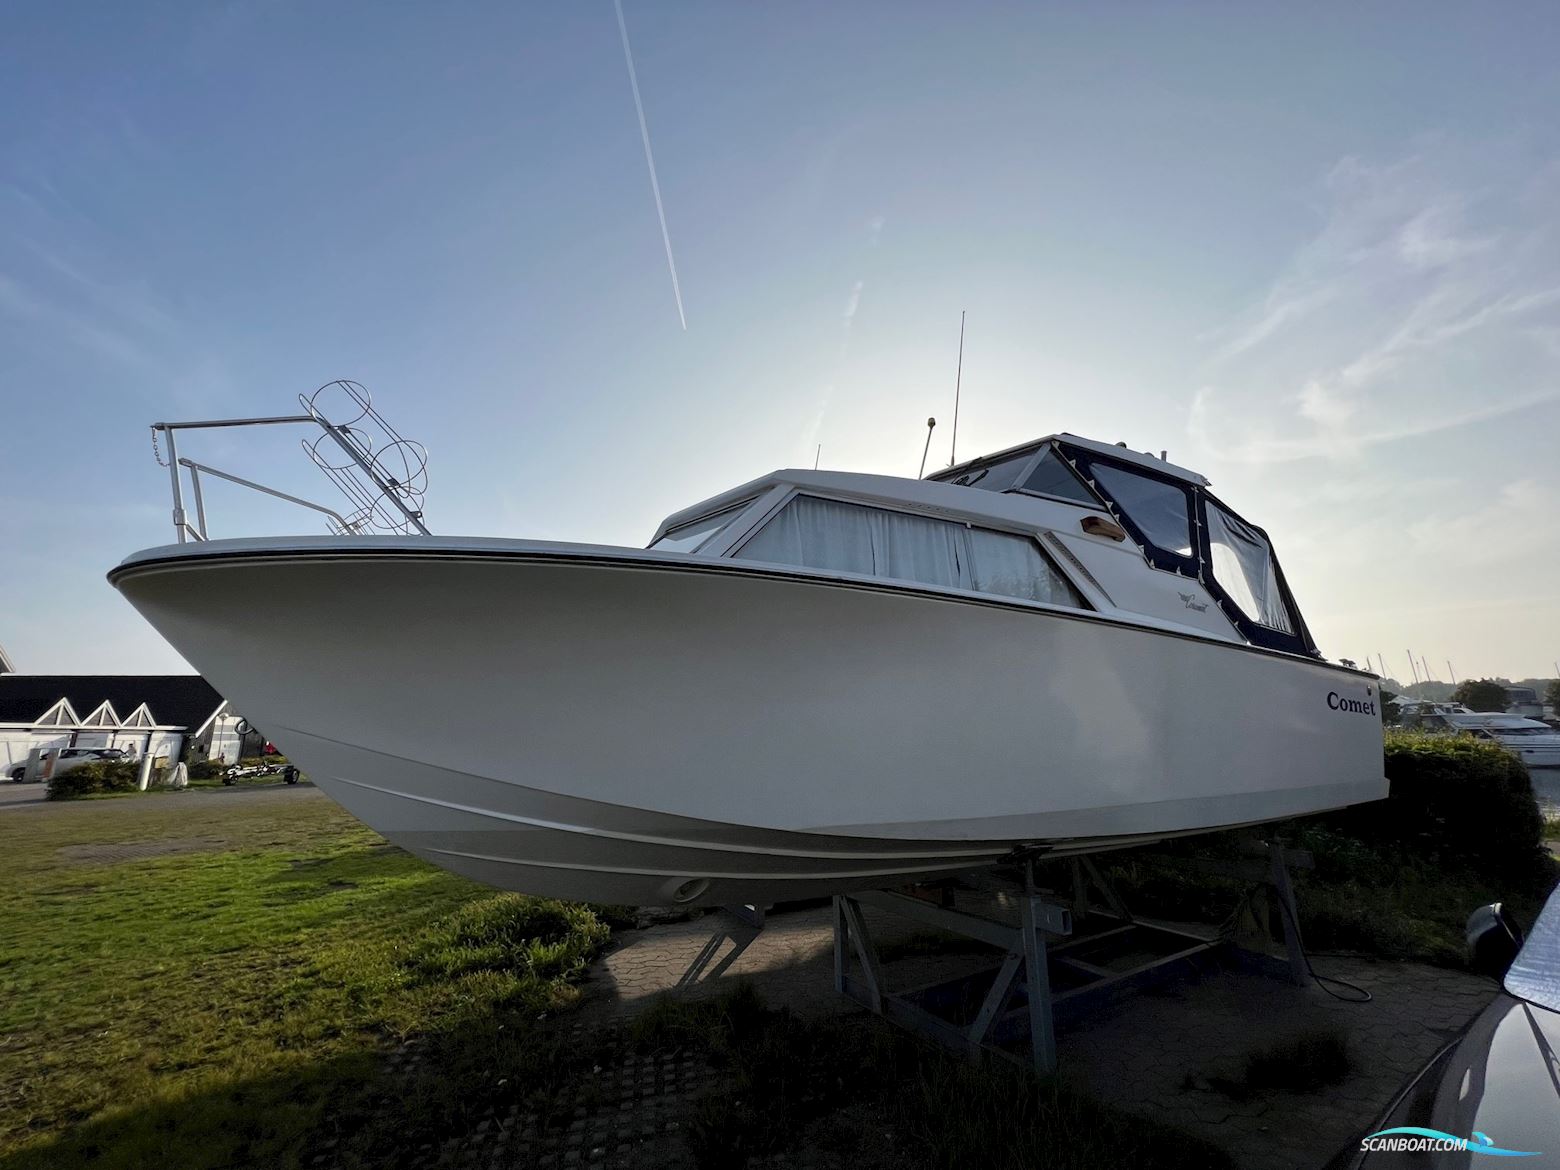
1056,960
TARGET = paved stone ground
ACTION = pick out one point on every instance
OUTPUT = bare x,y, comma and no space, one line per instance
1161,1054
21,795
1158,1052
30,798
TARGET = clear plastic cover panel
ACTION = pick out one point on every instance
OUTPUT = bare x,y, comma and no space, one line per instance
876,542
1243,564
1161,510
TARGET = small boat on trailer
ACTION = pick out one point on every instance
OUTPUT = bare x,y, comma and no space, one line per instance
814,683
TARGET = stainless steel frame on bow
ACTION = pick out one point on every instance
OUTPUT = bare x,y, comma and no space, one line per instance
369,494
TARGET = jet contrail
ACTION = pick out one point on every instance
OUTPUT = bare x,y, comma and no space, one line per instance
655,186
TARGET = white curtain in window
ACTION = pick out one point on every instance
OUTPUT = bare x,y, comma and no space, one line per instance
826,534
850,538
1013,566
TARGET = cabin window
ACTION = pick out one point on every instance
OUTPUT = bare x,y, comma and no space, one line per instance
1052,477
689,537
1243,565
1161,510
877,542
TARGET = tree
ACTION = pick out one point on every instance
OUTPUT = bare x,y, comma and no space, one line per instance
1552,694
1481,694
1389,711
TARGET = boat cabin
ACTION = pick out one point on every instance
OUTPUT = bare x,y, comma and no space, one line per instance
1060,521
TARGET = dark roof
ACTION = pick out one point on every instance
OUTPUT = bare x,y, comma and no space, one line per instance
175,700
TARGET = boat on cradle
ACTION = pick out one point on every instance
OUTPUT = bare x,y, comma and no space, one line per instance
813,683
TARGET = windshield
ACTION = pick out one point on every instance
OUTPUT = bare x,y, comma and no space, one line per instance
689,537
1052,477
995,477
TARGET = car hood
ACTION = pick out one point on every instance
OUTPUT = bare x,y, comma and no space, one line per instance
1502,1079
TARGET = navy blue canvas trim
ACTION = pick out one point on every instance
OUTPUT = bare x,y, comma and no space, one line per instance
1299,642
1196,565
1083,463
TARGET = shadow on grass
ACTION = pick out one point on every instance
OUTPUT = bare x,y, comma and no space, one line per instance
371,1108
853,1088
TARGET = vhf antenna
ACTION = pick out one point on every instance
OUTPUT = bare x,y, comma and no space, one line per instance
930,423
958,378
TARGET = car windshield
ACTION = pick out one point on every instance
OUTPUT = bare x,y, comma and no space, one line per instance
1535,975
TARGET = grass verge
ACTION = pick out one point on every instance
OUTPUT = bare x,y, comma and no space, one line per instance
221,980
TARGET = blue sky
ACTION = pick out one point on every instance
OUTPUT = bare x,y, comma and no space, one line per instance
1313,254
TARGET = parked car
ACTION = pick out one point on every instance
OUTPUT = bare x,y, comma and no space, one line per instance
1496,1087
67,758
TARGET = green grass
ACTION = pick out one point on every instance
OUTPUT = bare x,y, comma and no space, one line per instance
237,1004
878,1099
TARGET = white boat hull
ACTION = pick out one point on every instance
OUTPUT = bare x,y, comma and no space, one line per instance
621,726
1536,757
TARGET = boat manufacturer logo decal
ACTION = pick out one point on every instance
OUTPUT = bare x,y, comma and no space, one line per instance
1413,1139
1365,706
1193,603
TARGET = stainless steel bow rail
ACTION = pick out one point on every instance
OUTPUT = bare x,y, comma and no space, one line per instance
383,476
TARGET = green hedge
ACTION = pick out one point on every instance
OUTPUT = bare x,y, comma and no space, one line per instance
207,770
1453,801
91,779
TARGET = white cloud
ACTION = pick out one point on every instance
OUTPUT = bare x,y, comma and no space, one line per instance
1421,303
853,302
